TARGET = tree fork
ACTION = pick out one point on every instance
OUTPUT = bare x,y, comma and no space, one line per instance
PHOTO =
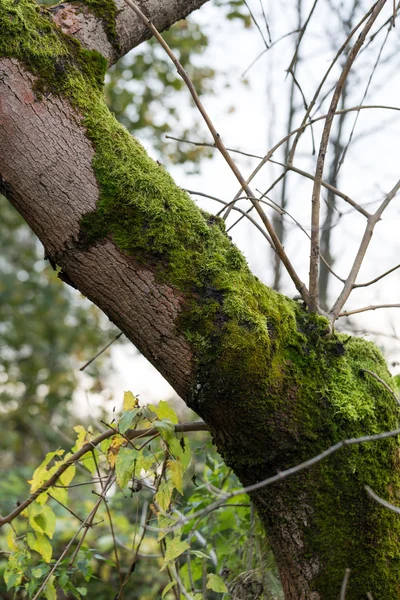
252,363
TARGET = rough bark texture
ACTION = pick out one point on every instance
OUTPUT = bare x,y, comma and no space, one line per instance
125,31
254,364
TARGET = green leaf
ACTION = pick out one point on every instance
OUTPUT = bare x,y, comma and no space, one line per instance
42,519
125,465
164,412
175,548
200,554
165,428
50,591
216,583
127,420
12,578
82,591
168,587
40,544
180,448
130,401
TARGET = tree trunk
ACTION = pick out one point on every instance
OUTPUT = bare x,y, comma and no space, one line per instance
254,364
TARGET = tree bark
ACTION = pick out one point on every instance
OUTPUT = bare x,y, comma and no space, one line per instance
254,364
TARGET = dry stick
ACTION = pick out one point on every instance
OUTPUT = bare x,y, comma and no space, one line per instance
288,472
358,285
89,522
369,230
180,428
326,185
299,225
89,362
288,167
302,32
256,24
347,313
385,385
300,285
316,193
323,80
344,584
380,500
237,209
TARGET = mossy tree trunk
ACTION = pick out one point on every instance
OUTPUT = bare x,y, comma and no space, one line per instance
254,364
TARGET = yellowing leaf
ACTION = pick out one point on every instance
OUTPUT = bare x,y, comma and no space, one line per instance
125,465
164,411
176,472
50,591
164,495
40,544
42,474
80,440
164,523
168,587
130,401
175,548
216,583
113,450
12,578
180,448
11,539
41,518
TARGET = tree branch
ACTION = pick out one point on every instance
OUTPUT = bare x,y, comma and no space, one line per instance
78,20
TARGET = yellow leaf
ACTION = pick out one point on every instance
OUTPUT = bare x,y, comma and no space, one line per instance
41,518
130,402
164,495
40,544
80,440
113,450
176,472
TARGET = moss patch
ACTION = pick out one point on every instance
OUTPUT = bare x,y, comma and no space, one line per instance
273,389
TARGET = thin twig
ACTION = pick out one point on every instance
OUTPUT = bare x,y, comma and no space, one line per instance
301,287
345,581
316,193
381,501
366,239
385,385
89,362
358,285
288,472
347,313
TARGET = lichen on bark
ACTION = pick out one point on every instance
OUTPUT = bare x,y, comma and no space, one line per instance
272,388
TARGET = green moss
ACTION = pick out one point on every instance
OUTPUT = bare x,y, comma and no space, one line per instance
265,372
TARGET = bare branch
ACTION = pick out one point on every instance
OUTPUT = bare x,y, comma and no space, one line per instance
366,239
356,311
301,287
358,285
316,193
291,471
